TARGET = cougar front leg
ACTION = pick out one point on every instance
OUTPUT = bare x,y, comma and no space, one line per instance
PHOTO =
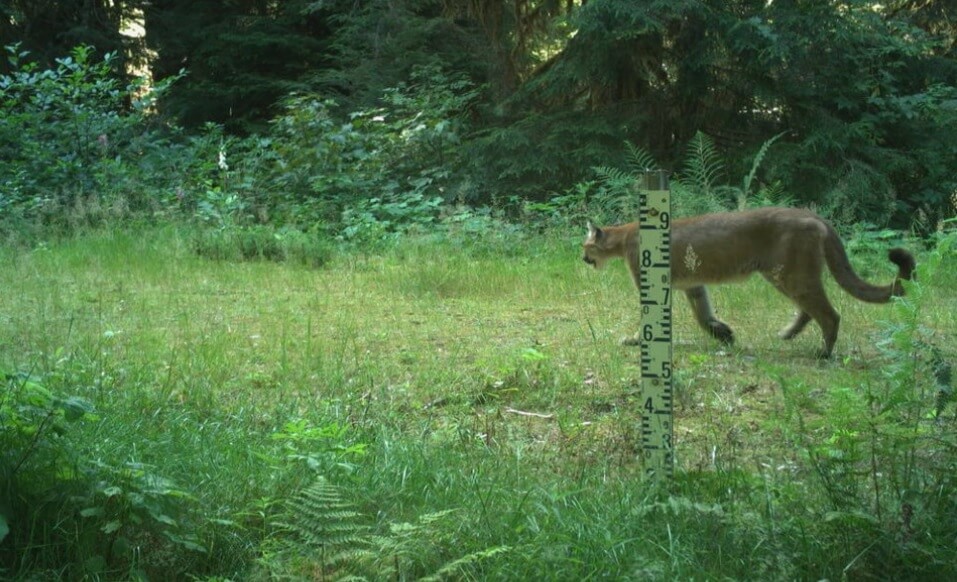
701,304
704,315
634,340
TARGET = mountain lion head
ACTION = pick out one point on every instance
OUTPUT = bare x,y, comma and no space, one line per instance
595,249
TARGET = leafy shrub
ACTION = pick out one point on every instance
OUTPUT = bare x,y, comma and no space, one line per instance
33,421
70,140
370,173
68,509
862,193
37,459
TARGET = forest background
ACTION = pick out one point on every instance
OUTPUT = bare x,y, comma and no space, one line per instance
289,289
497,103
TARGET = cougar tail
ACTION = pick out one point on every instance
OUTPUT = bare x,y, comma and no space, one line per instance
843,272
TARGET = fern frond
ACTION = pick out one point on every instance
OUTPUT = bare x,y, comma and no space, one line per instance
772,195
456,566
433,517
610,175
322,518
758,158
687,200
639,159
703,166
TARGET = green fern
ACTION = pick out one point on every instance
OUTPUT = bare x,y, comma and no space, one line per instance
333,534
639,162
749,179
771,195
616,199
686,200
697,190
639,159
703,166
614,177
416,551
458,566
329,528
322,517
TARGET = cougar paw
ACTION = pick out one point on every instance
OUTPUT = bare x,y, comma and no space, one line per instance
721,332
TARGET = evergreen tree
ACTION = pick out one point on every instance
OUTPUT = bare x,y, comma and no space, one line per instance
49,29
862,95
240,56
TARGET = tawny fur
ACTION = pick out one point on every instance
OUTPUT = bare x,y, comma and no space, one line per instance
789,247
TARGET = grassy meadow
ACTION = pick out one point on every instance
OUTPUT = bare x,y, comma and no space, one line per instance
462,409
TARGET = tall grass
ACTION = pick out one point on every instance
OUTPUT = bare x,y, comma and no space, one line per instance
466,410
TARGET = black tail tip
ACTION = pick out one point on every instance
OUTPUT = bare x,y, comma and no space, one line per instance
905,262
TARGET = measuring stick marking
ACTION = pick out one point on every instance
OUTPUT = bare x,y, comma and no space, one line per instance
657,429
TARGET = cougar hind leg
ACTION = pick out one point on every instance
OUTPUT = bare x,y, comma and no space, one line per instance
797,326
830,322
704,315
813,304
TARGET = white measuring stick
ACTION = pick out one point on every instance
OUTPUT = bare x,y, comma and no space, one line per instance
654,218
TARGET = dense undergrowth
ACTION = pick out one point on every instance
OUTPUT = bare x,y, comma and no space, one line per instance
305,356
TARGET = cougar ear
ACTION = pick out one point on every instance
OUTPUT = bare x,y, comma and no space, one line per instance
593,231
